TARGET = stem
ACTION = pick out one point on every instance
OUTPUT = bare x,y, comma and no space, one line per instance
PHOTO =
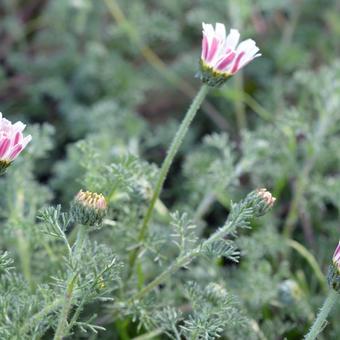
62,324
322,316
22,242
150,335
184,260
303,251
322,125
82,232
25,257
176,143
241,118
204,206
180,262
68,297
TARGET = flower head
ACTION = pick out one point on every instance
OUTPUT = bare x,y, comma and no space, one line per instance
12,142
222,55
89,208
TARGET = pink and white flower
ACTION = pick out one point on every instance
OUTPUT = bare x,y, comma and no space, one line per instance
12,140
223,53
336,257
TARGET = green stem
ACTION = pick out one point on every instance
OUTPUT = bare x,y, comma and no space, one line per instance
303,251
319,322
180,262
25,257
241,118
176,143
184,260
150,335
68,297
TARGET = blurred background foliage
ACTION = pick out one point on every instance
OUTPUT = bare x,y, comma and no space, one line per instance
103,85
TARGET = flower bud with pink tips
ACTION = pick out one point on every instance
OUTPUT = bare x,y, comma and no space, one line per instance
89,208
222,55
12,142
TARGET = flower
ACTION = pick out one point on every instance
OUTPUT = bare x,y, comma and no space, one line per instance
222,56
336,257
88,208
12,142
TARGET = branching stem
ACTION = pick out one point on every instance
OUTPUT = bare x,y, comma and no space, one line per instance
185,259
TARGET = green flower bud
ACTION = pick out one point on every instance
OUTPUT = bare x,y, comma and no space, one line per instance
89,208
261,201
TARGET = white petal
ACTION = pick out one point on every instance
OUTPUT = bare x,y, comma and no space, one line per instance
26,140
19,126
220,31
246,45
248,58
208,30
232,39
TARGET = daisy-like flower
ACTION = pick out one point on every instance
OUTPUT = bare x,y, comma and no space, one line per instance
12,142
336,257
222,55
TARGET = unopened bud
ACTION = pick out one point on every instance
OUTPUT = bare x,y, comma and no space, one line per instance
261,201
334,270
267,197
88,208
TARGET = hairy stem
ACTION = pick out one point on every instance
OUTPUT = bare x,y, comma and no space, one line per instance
68,297
176,143
320,320
185,259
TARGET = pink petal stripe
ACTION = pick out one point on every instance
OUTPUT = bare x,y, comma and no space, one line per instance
212,50
237,62
225,61
17,138
4,146
15,152
336,256
204,47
